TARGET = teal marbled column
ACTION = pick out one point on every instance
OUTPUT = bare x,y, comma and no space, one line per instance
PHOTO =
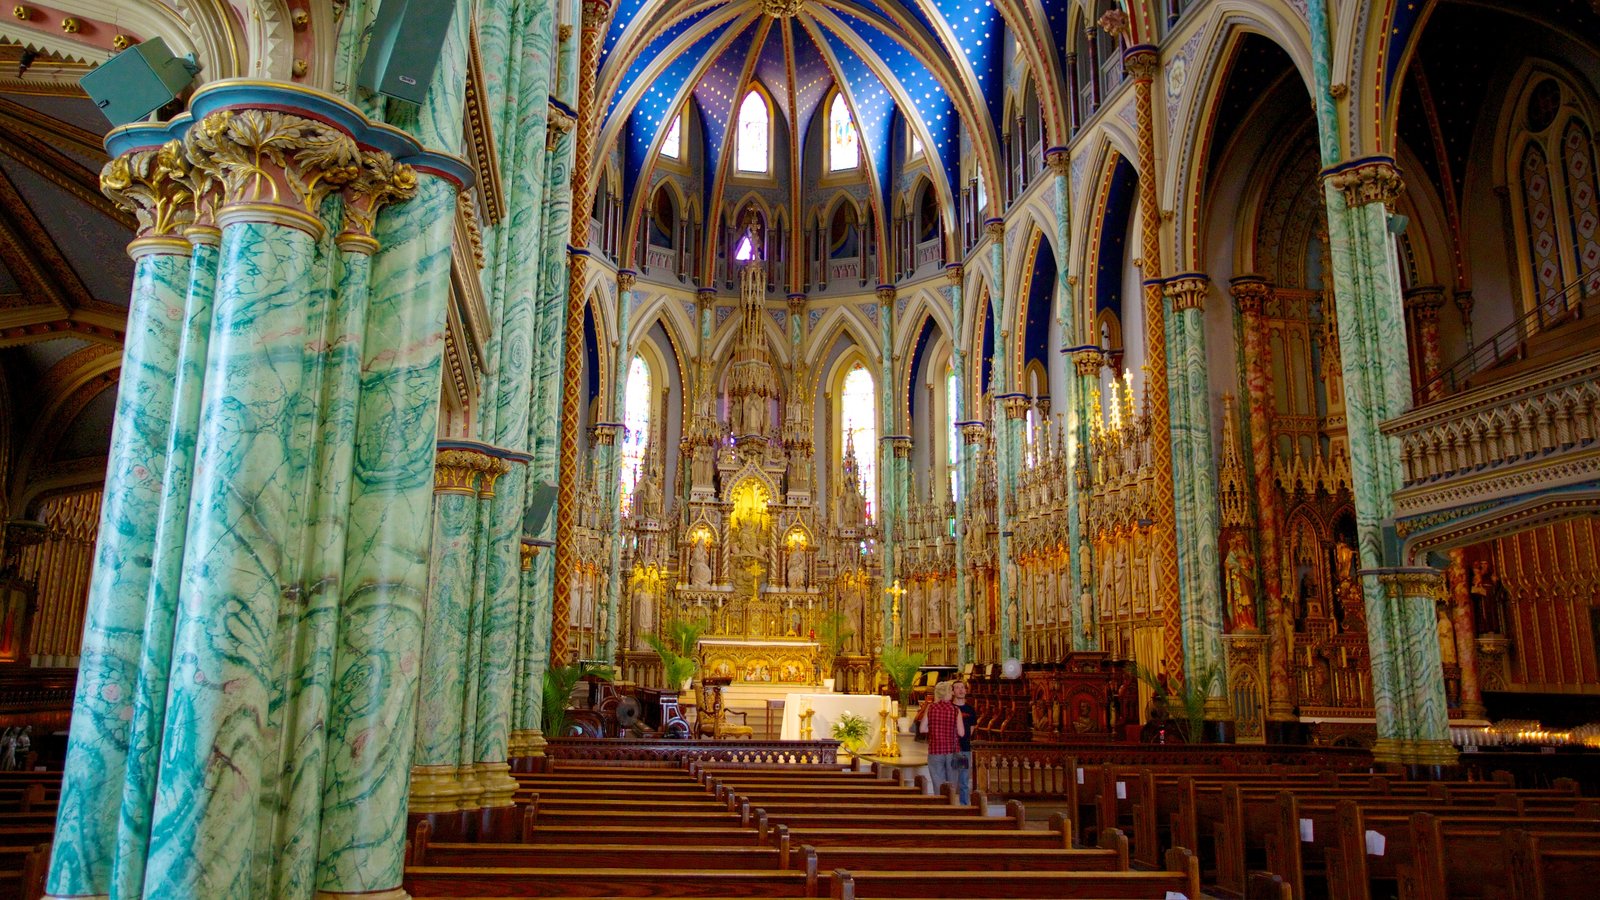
166,566
251,458
441,694
1007,442
888,405
313,626
1076,431
1411,700
1369,307
97,753
959,415
1087,362
1200,521
611,487
387,549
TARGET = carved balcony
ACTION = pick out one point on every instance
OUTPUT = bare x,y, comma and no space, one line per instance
1498,445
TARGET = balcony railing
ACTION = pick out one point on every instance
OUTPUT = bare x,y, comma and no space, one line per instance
1511,342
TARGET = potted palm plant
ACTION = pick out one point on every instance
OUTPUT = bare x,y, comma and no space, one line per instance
677,651
1189,699
901,665
559,683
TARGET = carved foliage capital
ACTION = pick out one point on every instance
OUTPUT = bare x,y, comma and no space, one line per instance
973,433
797,304
901,447
626,280
154,184
596,13
1187,293
995,228
1089,361
273,162
1374,181
1426,301
1251,294
381,181
886,295
1059,161
1141,63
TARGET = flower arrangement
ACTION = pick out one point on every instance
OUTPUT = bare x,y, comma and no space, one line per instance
851,731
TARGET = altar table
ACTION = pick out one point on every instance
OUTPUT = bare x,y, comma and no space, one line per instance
829,707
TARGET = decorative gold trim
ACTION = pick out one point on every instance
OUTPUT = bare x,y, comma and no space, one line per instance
1374,181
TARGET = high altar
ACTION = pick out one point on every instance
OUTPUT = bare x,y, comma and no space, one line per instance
752,553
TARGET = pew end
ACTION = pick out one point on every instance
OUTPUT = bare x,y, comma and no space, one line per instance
950,793
781,837
530,820
980,799
1181,860
844,885
1266,886
419,843
1113,839
1060,824
1017,811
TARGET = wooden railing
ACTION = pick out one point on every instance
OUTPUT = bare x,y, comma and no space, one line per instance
1040,770
668,753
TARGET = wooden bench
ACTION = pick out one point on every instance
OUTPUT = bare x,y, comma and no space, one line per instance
1182,877
467,881
1545,866
1437,856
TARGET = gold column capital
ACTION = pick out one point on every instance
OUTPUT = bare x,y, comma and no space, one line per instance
1375,180
973,432
1059,161
154,185
995,228
1188,291
955,273
797,304
1141,62
886,294
626,278
381,181
1089,361
595,14
1426,301
1250,292
901,445
272,166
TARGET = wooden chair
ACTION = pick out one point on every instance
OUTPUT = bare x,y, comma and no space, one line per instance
715,715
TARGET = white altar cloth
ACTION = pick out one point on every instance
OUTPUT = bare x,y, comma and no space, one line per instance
829,707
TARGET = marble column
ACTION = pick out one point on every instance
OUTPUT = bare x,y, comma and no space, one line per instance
1411,713
611,486
961,416
147,175
1466,636
1408,697
973,434
1422,305
166,563
1087,363
1250,294
1203,607
1141,63
1007,439
1059,162
500,508
888,513
253,458
596,13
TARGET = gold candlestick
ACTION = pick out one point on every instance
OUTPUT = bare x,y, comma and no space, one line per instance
805,723
888,742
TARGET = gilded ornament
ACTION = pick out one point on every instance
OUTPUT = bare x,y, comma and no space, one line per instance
1141,63
122,42
781,9
380,181
1187,293
22,12
1059,161
1373,181
153,184
268,161
70,25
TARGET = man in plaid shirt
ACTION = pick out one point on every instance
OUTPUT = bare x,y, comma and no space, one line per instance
944,727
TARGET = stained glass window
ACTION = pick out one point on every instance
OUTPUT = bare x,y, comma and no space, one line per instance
636,427
672,144
754,124
843,150
858,412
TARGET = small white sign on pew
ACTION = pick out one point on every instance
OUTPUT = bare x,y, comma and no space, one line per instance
1375,843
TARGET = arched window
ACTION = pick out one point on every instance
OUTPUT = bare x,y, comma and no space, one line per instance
952,453
754,142
844,151
858,418
672,144
636,427
1553,164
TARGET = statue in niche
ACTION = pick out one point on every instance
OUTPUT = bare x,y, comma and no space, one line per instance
703,464
699,564
644,611
754,418
1121,585
914,612
647,491
1239,573
1447,634
602,624
1488,599
936,607
850,602
575,602
1347,587
795,569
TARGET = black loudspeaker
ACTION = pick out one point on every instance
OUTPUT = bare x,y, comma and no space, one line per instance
541,498
404,50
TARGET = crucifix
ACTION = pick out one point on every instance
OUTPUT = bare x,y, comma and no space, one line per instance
895,591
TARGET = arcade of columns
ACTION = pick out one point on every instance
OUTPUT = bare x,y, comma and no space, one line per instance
287,342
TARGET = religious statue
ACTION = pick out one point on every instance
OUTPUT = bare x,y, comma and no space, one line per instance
647,492
575,604
699,565
1239,573
1352,604
602,623
1488,599
1447,634
795,569
644,610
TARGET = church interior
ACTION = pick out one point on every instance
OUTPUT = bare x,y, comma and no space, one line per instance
574,448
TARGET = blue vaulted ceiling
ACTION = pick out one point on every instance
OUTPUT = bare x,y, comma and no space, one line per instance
934,63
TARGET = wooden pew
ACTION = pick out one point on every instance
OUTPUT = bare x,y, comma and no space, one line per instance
1545,866
1332,820
1449,857
1183,877
1057,836
1014,820
459,881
